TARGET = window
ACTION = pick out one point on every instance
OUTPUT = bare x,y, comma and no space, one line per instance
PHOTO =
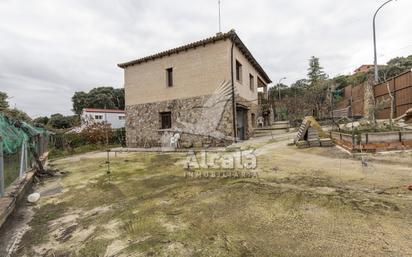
169,77
251,82
122,117
166,120
238,71
98,117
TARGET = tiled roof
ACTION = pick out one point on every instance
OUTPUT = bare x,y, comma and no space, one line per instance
220,36
102,110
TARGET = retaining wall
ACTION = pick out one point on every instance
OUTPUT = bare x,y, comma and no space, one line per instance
373,142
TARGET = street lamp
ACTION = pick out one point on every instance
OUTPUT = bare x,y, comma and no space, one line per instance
374,41
280,80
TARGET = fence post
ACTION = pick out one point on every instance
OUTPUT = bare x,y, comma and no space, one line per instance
22,162
26,158
1,169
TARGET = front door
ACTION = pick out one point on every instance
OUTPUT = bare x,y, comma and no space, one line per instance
241,123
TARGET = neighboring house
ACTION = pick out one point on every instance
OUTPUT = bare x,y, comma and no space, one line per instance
189,90
364,68
116,118
367,67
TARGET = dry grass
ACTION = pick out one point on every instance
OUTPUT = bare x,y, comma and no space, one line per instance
305,203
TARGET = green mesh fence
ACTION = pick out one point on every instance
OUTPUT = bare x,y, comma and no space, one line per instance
12,136
11,167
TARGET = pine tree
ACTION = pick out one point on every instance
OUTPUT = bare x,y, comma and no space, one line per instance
315,72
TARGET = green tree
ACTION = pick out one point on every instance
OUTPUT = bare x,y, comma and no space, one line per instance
17,114
4,104
300,84
119,98
315,71
41,120
343,81
79,101
395,67
317,89
59,121
100,97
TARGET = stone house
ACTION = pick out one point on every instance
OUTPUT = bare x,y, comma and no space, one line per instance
207,91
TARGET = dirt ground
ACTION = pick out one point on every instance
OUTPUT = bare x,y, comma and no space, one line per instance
310,202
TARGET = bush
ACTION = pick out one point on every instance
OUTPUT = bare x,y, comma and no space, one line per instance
96,136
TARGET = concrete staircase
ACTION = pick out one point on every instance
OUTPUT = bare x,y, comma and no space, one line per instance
277,127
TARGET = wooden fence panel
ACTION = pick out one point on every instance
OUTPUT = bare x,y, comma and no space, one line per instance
380,90
401,87
403,81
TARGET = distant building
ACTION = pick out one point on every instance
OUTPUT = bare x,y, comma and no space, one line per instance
366,68
116,118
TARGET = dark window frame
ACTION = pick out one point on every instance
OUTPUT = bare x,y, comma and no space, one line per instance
169,77
238,71
165,120
252,82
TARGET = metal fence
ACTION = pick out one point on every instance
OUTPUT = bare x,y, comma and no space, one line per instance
15,166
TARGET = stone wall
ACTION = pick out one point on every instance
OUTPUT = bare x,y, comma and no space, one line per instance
199,123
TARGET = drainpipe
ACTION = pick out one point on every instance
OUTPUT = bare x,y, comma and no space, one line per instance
233,93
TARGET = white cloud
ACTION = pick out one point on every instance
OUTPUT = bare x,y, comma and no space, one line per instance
49,49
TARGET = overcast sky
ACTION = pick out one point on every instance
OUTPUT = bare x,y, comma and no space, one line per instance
51,48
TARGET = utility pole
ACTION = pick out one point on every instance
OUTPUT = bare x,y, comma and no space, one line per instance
220,28
374,41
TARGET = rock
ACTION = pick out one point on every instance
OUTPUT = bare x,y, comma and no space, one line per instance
314,142
197,144
355,125
32,198
186,144
380,191
302,144
326,142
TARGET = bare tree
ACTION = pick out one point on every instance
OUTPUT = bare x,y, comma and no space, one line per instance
391,103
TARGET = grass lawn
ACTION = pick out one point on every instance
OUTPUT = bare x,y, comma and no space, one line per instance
59,153
146,207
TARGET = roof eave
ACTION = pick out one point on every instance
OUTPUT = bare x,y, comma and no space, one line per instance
223,36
